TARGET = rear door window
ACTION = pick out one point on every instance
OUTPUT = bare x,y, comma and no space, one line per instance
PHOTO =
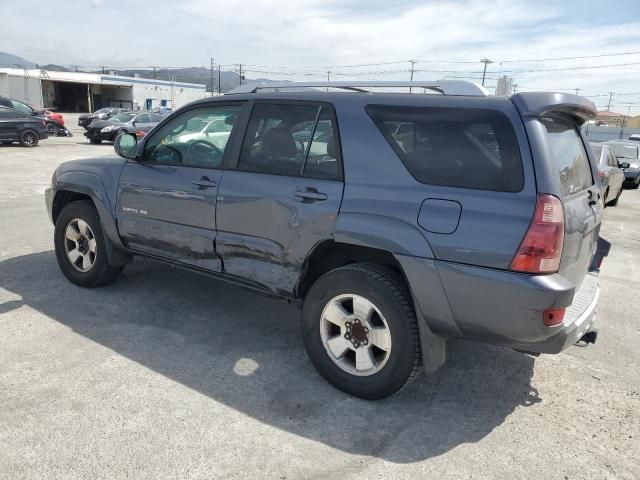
569,155
454,147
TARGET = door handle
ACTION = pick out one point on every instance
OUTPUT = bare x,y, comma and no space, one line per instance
203,183
310,195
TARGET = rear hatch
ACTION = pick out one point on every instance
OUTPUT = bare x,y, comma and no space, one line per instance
566,169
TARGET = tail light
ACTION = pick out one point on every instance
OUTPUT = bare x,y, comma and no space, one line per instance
140,134
541,249
600,173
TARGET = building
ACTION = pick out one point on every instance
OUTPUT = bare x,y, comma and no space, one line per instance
613,119
87,92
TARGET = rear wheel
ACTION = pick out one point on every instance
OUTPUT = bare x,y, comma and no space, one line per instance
637,182
29,138
360,330
81,248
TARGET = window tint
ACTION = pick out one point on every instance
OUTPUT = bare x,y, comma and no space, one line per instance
144,118
454,147
279,141
11,113
569,155
22,107
185,140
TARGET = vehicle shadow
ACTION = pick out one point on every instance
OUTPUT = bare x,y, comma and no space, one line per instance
245,351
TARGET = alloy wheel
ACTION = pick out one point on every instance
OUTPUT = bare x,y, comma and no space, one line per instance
80,245
355,335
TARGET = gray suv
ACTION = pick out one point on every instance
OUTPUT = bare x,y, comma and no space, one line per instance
394,220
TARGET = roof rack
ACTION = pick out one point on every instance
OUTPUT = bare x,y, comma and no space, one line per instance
446,87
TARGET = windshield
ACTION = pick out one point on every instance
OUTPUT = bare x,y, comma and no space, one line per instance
123,117
624,151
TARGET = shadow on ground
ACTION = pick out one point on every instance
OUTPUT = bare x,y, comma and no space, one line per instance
245,351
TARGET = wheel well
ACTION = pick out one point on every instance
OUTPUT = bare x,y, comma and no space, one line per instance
330,255
63,198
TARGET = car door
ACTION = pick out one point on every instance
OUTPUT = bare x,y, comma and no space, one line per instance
9,120
167,197
283,196
616,176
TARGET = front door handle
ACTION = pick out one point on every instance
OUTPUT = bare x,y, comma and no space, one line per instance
204,183
310,195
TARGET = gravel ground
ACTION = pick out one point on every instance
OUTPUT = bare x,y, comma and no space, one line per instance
168,374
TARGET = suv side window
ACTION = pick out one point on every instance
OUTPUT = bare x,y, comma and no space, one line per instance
453,147
185,141
569,155
291,139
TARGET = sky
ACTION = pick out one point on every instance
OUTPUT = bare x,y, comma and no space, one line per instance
352,39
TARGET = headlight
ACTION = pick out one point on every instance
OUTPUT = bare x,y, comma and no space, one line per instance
107,129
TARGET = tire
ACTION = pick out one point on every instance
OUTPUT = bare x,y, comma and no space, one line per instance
52,129
29,138
606,194
392,313
637,183
95,141
100,271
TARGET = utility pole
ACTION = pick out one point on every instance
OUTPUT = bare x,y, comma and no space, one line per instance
413,64
609,104
212,76
486,62
219,78
154,71
578,90
240,74
515,88
328,78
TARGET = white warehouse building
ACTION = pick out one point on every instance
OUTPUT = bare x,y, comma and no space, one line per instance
87,92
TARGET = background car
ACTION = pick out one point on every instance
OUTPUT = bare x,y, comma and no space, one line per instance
610,173
85,119
53,121
131,122
17,126
627,152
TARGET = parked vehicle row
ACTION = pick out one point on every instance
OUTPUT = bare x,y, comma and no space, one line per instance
395,221
138,123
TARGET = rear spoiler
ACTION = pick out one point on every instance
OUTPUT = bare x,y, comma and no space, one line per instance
540,104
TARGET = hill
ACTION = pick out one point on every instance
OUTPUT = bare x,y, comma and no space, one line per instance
10,60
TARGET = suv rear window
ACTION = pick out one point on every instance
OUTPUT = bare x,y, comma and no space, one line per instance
453,147
569,155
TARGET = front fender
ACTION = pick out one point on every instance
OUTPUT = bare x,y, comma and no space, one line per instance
384,233
90,184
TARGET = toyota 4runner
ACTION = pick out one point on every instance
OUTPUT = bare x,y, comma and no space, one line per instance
395,220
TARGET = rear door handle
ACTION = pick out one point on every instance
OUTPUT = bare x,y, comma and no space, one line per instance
310,195
204,183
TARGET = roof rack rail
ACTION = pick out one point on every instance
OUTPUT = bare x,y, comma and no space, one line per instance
446,87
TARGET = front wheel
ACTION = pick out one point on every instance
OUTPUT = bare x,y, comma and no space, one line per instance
614,202
81,248
52,129
360,330
29,138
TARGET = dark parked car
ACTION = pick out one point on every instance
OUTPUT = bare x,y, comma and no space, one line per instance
131,122
52,122
85,119
610,173
627,152
478,218
17,126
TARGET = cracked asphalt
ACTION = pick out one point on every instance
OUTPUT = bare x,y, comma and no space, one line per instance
169,374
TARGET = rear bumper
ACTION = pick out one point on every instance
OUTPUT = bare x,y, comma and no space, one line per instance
500,307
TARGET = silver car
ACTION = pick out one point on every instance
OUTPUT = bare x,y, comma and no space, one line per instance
628,154
610,173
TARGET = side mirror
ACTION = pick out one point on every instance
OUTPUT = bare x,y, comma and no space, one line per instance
126,145
624,165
